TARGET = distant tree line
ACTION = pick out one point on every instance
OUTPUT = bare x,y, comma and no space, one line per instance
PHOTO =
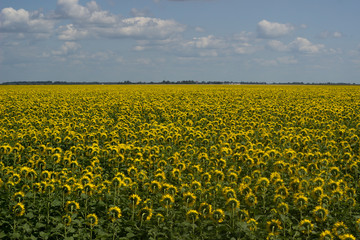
165,82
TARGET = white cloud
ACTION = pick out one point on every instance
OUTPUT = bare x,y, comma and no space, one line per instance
300,44
22,21
67,48
277,45
305,46
327,34
268,29
139,13
209,41
70,32
287,60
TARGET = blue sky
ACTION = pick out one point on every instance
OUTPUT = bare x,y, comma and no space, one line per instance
201,40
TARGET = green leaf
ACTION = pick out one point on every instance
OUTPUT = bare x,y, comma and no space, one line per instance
39,225
56,203
44,235
130,235
26,227
2,234
30,215
69,238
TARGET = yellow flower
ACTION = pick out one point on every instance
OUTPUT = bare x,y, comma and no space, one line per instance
66,220
205,209
320,213
189,199
92,219
339,228
273,226
192,215
145,214
114,213
72,206
306,226
167,200
19,209
347,237
326,235
135,199
218,215
232,203
19,197
252,224
251,199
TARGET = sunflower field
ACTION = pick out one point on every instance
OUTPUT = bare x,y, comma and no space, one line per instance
179,162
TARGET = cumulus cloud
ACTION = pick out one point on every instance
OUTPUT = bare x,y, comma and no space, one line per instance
90,20
327,34
268,29
305,46
22,21
300,44
67,48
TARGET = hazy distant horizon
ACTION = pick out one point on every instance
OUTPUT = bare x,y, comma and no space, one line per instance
173,40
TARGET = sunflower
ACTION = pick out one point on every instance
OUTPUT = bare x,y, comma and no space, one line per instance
18,197
92,220
189,198
273,226
218,215
135,200
251,199
347,237
192,215
155,186
72,206
205,209
167,200
145,214
339,229
283,208
306,226
252,224
114,213
243,214
66,220
19,209
320,213
326,235
232,203
301,201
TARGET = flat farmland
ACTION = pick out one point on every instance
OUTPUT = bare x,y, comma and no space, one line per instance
179,162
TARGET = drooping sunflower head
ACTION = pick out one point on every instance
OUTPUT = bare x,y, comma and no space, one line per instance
251,199
339,229
273,226
306,226
19,197
19,209
189,199
114,213
232,203
326,235
135,199
66,220
145,214
252,224
283,208
71,206
205,209
192,215
218,215
347,237
167,200
92,220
